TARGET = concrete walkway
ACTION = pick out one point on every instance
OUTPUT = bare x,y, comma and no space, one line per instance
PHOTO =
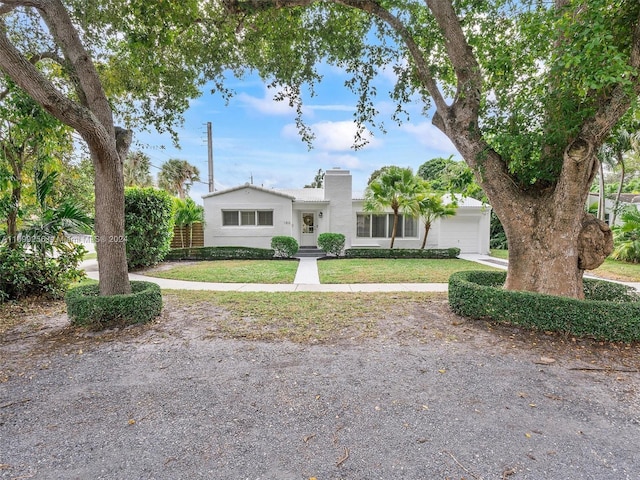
306,280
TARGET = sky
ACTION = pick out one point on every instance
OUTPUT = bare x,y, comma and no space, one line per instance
255,137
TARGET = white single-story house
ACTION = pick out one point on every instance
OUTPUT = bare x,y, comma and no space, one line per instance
249,215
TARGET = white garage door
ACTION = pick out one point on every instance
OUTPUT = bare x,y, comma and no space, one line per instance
460,232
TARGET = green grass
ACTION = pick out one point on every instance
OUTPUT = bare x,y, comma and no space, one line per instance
500,253
385,270
610,269
231,271
617,270
305,317
90,256
340,271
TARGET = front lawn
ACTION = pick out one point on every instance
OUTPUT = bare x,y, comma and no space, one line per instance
230,271
389,270
617,270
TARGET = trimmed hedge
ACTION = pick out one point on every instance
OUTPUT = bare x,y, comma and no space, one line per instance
284,247
219,253
402,253
148,225
610,311
331,243
87,308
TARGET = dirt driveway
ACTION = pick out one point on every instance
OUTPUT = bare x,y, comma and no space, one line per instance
431,396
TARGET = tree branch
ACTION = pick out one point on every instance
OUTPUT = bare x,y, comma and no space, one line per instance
619,101
7,6
32,81
465,65
78,60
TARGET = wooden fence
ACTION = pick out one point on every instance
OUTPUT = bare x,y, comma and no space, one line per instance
182,234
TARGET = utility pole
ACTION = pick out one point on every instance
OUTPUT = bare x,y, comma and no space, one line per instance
210,152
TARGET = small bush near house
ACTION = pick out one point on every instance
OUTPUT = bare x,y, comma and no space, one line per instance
332,243
24,273
610,311
284,247
148,225
402,253
86,307
220,253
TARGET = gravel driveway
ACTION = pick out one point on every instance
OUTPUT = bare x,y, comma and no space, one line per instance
172,401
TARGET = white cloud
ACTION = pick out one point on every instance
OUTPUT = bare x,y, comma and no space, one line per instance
333,136
332,107
429,136
267,104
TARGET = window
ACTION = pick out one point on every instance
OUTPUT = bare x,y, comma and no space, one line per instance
265,218
363,225
247,218
381,226
411,227
230,218
378,226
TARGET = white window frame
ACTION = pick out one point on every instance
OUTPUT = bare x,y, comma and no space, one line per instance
388,225
243,216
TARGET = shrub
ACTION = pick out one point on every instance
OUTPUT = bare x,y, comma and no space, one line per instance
284,247
87,308
148,225
610,311
24,273
402,253
220,253
331,243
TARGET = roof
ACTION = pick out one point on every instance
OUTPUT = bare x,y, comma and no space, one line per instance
305,194
463,201
280,193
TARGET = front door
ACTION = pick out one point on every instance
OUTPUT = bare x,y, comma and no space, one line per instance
308,234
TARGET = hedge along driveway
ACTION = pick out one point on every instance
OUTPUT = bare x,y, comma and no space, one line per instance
610,311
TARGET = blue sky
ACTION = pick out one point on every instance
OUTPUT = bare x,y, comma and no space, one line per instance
255,136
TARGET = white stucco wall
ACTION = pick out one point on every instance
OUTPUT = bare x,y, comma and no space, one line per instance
338,192
246,198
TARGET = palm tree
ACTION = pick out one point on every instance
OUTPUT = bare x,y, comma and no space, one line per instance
187,212
628,237
48,230
176,177
431,206
136,170
395,188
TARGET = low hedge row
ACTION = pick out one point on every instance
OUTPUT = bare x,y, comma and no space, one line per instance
402,253
87,308
219,253
610,311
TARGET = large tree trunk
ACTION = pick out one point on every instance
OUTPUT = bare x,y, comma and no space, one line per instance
552,240
109,224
